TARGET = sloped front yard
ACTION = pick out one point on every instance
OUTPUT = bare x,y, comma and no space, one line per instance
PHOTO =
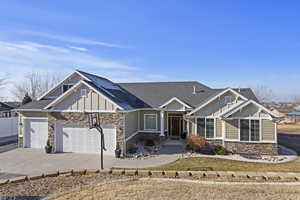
215,164
139,189
41,188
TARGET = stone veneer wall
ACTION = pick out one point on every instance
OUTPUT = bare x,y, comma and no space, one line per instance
252,148
73,118
247,148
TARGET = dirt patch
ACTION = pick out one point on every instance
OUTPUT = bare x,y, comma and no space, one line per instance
50,185
288,128
137,189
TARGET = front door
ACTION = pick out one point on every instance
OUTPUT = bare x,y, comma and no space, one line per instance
175,122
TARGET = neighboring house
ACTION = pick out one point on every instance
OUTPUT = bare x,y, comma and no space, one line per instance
230,117
288,115
6,109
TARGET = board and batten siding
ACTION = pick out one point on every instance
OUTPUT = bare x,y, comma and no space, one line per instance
231,129
251,110
93,102
143,112
268,130
131,123
58,91
218,128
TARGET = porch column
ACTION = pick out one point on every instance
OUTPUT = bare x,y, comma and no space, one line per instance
162,125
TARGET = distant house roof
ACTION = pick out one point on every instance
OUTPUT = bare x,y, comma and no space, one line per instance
35,105
8,105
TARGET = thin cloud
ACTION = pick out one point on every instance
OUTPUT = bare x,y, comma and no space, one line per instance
78,48
48,56
72,39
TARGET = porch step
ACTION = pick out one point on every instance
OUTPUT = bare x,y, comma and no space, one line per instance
170,142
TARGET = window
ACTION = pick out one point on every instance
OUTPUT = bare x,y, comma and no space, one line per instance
83,92
66,87
249,130
150,122
255,130
210,128
244,130
201,127
206,127
228,99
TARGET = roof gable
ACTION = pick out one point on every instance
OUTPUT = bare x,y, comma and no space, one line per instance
261,107
214,97
67,93
175,99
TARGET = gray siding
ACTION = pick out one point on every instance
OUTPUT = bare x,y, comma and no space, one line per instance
268,130
218,128
231,129
131,123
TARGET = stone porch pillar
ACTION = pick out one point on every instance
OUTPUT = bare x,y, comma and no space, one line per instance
162,125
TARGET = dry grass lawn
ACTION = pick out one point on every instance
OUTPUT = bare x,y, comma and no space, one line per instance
288,128
182,190
216,164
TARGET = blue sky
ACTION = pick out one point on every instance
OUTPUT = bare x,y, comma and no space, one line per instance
221,43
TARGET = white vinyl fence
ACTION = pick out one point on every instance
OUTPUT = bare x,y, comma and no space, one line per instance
8,126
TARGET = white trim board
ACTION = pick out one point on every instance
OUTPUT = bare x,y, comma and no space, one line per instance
216,96
175,99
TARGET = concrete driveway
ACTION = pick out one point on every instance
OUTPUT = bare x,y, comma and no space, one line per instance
26,161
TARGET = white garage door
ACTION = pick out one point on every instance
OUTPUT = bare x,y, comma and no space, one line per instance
36,133
78,139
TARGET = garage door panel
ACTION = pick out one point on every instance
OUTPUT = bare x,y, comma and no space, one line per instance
36,133
79,139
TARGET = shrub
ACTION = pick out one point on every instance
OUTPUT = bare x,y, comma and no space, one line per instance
149,143
220,150
196,143
132,149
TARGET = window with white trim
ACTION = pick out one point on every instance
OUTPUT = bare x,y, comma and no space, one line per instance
150,121
249,130
206,127
83,92
66,87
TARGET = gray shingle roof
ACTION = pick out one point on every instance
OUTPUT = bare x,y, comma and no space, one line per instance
131,96
35,105
157,93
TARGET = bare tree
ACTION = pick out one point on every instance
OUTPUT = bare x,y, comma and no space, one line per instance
35,84
3,82
263,93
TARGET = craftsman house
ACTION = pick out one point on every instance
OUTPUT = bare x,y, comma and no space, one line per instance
230,117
